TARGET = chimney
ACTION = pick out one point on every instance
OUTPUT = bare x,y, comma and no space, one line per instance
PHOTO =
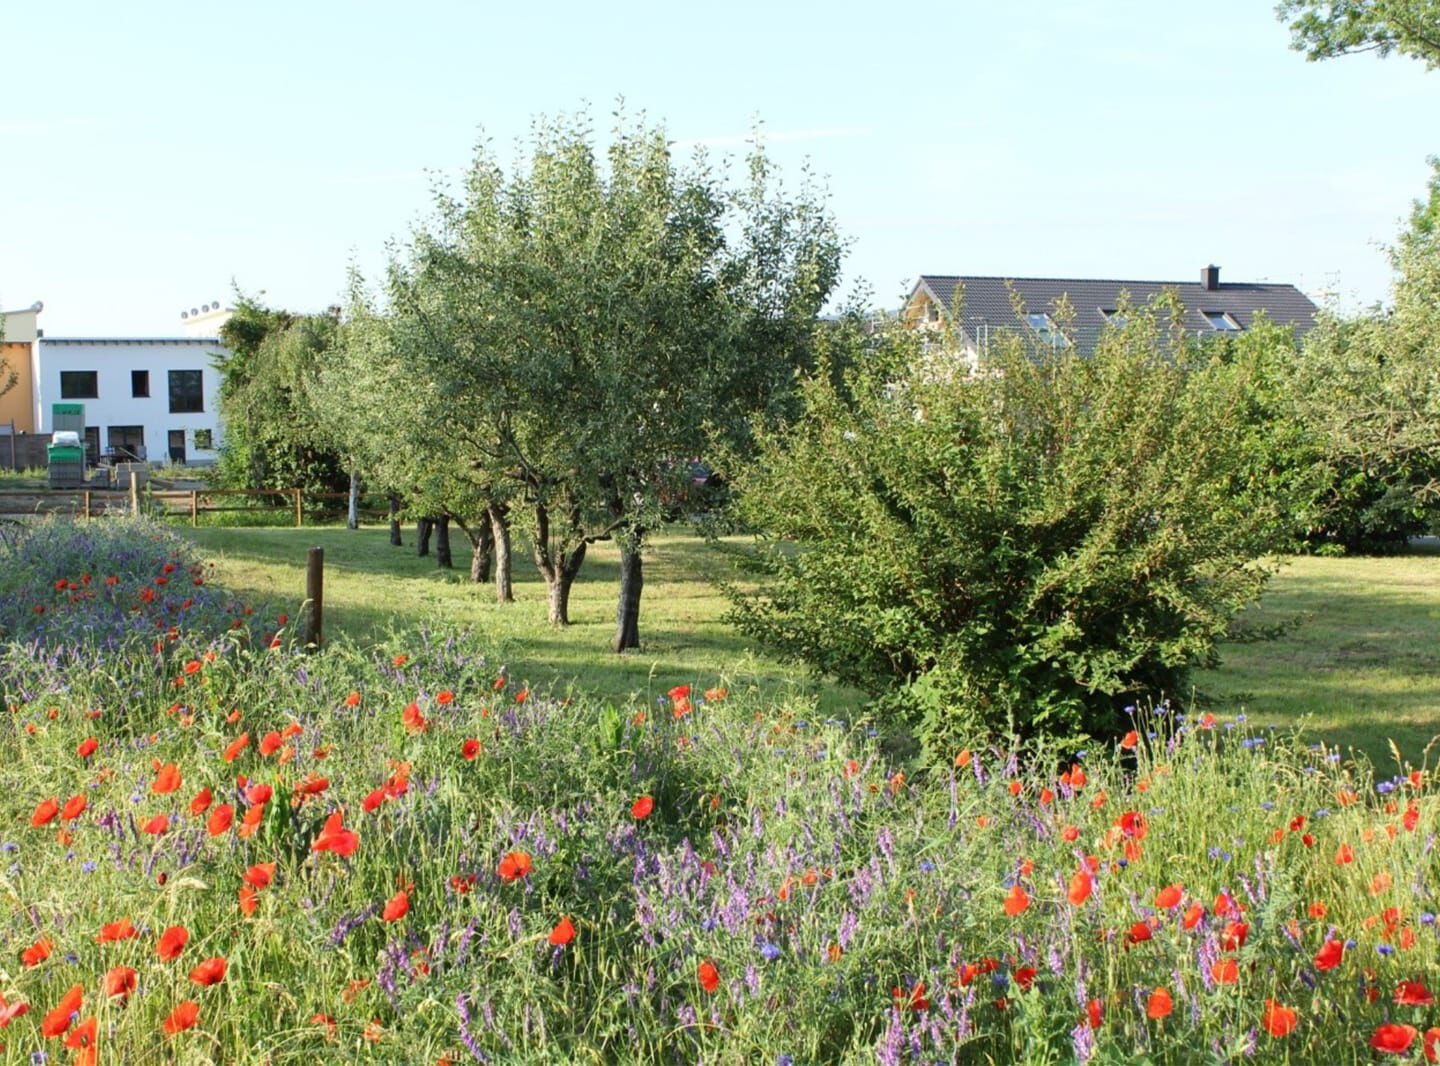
1210,278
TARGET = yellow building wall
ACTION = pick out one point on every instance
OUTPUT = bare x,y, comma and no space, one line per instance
17,405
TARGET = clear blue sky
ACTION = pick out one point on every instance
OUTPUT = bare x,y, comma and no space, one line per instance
154,152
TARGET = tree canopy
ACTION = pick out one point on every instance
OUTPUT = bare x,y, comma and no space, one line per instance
564,337
1323,29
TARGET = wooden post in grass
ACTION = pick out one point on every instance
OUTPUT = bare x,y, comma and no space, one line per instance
134,492
87,505
314,599
299,519
194,508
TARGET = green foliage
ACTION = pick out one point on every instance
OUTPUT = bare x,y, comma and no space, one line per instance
564,336
1323,29
275,436
1370,389
1023,549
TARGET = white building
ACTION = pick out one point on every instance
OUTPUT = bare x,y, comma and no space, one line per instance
151,398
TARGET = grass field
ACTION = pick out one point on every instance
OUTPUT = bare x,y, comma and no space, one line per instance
1363,668
372,587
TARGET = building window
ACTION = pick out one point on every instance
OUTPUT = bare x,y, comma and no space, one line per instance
204,440
186,392
126,443
1113,317
92,445
79,385
1221,320
1041,323
140,384
175,445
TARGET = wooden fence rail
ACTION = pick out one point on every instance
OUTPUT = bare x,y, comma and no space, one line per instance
92,503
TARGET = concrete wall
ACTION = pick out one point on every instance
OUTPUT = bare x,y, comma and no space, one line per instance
115,405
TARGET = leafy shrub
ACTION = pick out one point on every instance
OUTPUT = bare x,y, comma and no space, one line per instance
1021,550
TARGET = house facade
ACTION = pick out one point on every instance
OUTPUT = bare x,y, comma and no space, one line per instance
18,334
986,304
152,398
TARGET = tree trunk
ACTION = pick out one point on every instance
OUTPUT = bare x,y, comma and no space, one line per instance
557,566
632,580
442,543
352,513
395,537
500,537
422,535
481,547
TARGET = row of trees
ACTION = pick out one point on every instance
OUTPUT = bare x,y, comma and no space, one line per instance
551,349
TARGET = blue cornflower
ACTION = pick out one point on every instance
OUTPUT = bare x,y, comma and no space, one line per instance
770,952
926,866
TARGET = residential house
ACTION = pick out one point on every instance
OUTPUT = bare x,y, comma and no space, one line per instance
987,304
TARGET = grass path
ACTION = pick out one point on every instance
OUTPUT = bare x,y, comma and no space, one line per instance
1363,668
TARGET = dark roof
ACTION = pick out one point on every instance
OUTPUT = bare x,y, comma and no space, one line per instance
986,302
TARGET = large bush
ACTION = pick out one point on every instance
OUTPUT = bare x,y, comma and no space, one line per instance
1027,548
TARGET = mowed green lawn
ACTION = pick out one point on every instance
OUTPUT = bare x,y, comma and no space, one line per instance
1363,668
372,588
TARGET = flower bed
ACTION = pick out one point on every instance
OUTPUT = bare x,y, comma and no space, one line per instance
402,854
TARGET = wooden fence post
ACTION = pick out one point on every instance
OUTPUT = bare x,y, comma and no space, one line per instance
314,599
299,520
194,508
87,505
134,492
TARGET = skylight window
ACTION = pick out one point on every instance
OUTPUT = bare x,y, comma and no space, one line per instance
1221,320
1042,324
1112,316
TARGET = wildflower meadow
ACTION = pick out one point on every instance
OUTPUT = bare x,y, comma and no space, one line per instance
217,848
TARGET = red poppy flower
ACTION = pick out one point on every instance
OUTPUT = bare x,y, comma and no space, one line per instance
1130,740
470,748
1330,955
119,982
414,721
259,794
915,1001
58,1020
82,1038
514,865
563,933
1413,994
352,700
396,907
1160,1004
87,747
260,875
1081,885
172,943
182,1017
249,899
313,785
708,975
1393,1039
335,837
1277,1020
220,819
1016,901
1169,896
1138,933
1224,971
157,825
1094,1013
642,807
201,803
372,801
269,742
37,952
121,930
235,747
167,779
1234,936
444,697
45,813
74,807
209,972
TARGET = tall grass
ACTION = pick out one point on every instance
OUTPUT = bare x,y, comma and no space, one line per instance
786,896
